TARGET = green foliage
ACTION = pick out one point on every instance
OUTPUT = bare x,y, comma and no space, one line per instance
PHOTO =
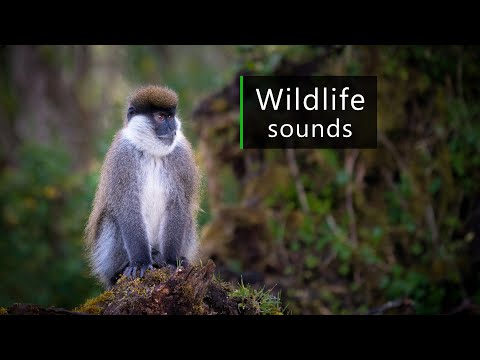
43,211
265,59
405,233
427,295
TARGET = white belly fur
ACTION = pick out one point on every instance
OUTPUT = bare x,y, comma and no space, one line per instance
153,198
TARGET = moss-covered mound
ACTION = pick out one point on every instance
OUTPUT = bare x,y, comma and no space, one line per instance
190,291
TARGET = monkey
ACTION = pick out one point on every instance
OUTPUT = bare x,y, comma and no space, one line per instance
144,211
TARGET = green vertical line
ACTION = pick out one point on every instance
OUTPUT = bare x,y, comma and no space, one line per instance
241,112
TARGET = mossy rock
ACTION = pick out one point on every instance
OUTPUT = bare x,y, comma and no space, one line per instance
190,291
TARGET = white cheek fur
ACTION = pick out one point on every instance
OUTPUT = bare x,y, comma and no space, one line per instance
141,135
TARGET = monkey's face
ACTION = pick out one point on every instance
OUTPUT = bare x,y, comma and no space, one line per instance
152,128
161,121
164,125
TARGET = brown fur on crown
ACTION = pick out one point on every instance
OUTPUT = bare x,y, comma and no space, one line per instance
158,96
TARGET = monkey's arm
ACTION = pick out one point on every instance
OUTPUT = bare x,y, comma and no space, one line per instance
126,208
179,231
175,231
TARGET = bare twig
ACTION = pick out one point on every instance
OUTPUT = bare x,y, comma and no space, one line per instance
391,305
430,216
335,229
466,307
32,309
330,257
390,147
457,211
350,159
302,196
389,180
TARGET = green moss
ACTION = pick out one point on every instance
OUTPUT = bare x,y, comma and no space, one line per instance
96,305
160,276
255,302
199,310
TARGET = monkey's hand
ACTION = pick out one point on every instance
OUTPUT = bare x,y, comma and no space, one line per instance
131,271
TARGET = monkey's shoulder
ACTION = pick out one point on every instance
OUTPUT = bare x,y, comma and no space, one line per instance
123,151
182,166
182,159
182,151
120,168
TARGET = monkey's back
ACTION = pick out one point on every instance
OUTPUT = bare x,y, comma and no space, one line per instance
100,203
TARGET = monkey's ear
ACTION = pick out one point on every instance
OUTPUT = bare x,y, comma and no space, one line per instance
131,112
157,96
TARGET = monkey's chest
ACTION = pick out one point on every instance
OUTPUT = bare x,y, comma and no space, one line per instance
154,195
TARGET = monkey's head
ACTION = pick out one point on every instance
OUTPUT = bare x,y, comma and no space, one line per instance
152,123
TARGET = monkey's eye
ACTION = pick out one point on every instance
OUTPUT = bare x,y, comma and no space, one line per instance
159,117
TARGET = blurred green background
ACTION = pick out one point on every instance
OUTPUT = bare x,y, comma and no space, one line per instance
334,231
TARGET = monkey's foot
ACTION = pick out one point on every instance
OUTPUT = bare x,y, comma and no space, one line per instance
131,271
173,264
184,262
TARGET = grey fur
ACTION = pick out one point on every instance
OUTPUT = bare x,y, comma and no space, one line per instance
116,232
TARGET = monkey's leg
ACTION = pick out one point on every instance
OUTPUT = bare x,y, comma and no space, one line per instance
189,242
110,257
173,235
157,258
135,240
